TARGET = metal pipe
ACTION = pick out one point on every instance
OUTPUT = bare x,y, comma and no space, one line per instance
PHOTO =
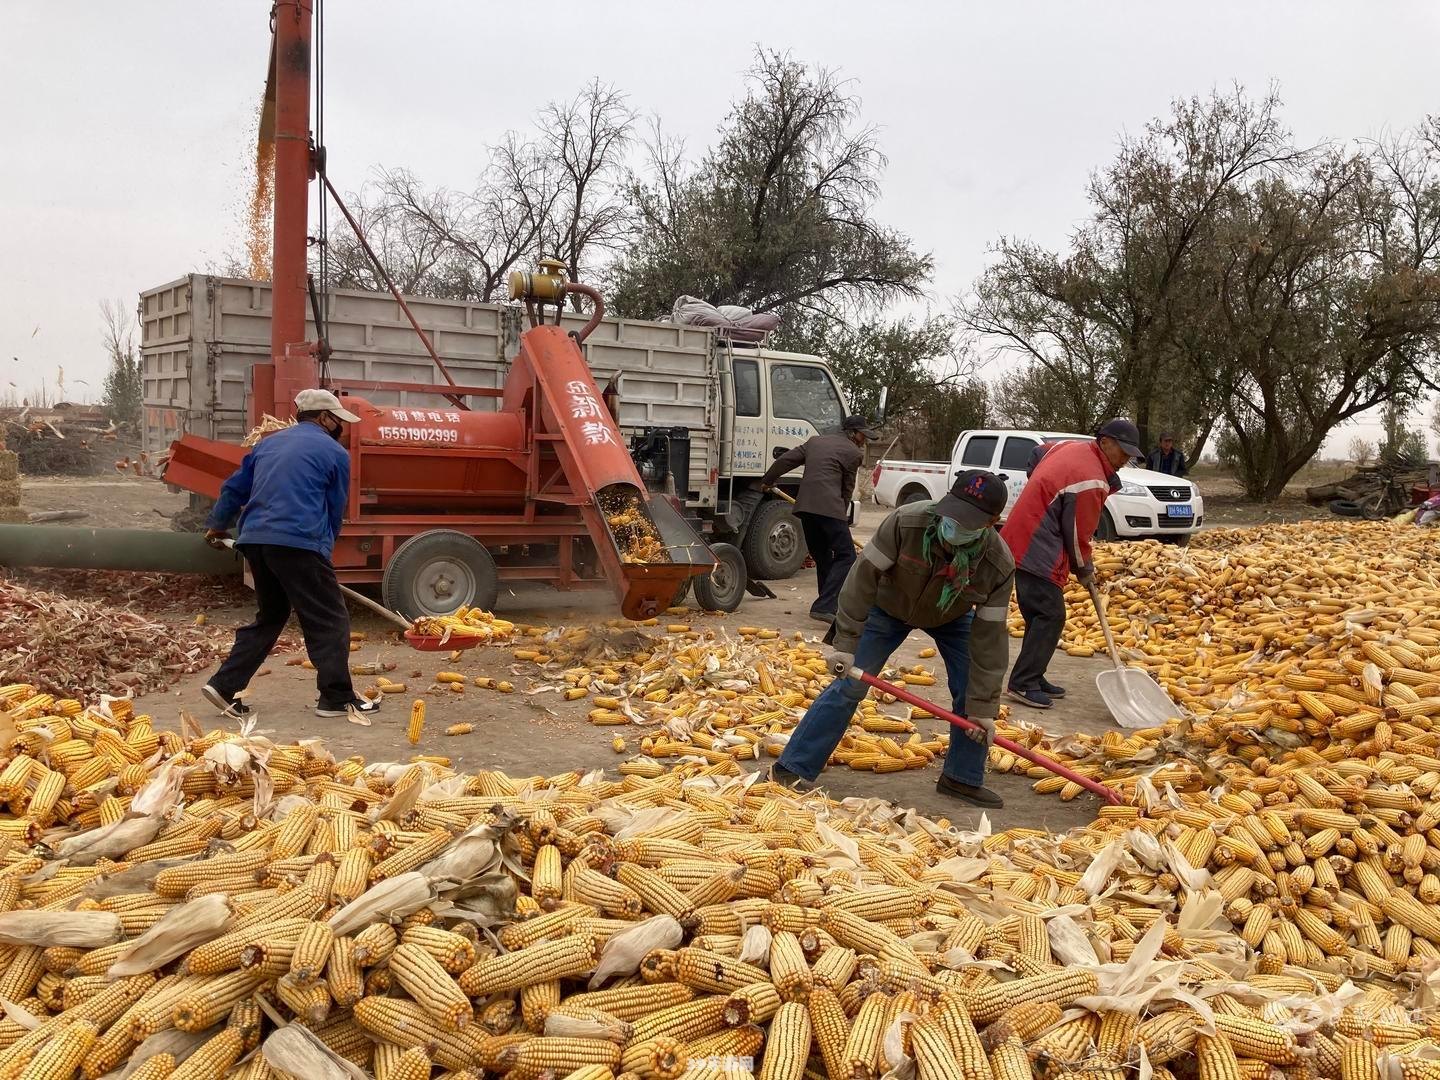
597,303
294,361
61,548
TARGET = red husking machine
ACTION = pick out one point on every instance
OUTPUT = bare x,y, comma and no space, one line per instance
444,501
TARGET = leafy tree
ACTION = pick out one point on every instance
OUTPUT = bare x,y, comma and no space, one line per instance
124,390
915,358
776,216
1400,445
1227,277
1108,319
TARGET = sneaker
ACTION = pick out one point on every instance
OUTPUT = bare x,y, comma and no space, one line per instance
360,705
1051,690
975,796
785,778
1034,699
225,706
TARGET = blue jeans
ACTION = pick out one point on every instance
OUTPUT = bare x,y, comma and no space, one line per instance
823,725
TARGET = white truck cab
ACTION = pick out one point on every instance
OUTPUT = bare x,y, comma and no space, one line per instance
1149,505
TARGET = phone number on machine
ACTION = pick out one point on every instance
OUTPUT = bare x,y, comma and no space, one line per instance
416,434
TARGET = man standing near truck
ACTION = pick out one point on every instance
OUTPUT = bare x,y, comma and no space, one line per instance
289,495
1167,457
1049,532
823,504
938,567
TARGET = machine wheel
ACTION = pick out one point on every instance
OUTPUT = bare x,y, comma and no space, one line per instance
914,494
438,572
724,587
1106,529
774,545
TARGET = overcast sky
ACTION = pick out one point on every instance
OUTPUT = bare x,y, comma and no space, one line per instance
130,129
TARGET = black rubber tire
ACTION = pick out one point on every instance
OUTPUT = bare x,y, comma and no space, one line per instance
774,545
724,587
913,495
1106,529
1183,540
438,572
1345,508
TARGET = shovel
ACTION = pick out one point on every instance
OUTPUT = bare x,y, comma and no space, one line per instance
1108,794
1134,699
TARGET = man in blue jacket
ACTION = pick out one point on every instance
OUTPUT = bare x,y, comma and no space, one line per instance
289,496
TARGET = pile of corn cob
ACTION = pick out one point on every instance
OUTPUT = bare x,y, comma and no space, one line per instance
467,622
210,905
710,696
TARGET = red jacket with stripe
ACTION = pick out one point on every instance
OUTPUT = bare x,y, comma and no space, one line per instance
1050,526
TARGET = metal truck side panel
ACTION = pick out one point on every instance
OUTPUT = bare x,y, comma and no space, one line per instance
201,335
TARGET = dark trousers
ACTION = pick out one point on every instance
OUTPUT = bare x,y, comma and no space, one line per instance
293,579
1042,605
825,722
833,549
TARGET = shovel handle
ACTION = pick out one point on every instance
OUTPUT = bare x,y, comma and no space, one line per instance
1110,795
359,598
779,494
1104,624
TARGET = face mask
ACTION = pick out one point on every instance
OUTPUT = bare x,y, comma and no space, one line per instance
336,431
953,536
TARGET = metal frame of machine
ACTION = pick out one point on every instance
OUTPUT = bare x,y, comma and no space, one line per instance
531,478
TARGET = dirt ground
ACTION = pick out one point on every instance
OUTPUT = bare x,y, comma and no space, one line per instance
528,734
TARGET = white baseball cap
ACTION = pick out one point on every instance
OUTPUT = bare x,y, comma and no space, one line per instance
323,401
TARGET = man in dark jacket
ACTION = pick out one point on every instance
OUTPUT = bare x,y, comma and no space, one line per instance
823,505
1048,532
937,567
289,495
1167,457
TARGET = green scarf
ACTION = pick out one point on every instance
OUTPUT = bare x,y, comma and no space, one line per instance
957,572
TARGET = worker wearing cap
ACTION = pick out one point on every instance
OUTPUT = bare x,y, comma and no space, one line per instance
933,566
1049,532
289,495
1167,457
823,503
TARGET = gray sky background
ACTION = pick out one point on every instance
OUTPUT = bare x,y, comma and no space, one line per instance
129,136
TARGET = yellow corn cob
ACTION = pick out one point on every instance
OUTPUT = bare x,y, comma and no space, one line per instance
788,1046
562,959
213,1058
422,977
416,726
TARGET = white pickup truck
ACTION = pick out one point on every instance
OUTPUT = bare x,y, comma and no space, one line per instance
1148,505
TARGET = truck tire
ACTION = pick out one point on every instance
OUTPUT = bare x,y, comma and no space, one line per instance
913,494
774,545
1106,529
724,587
438,572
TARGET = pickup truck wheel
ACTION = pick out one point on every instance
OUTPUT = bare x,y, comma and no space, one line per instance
724,587
439,572
913,494
774,545
1106,529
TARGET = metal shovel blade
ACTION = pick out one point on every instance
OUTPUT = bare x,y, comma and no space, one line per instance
1134,699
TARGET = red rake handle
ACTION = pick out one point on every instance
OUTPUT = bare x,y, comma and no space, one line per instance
1108,794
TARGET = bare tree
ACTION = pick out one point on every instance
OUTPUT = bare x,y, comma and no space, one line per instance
1362,451
583,144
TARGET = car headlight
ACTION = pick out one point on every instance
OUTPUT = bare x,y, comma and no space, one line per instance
1132,489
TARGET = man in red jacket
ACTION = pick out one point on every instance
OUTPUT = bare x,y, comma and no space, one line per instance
1049,532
